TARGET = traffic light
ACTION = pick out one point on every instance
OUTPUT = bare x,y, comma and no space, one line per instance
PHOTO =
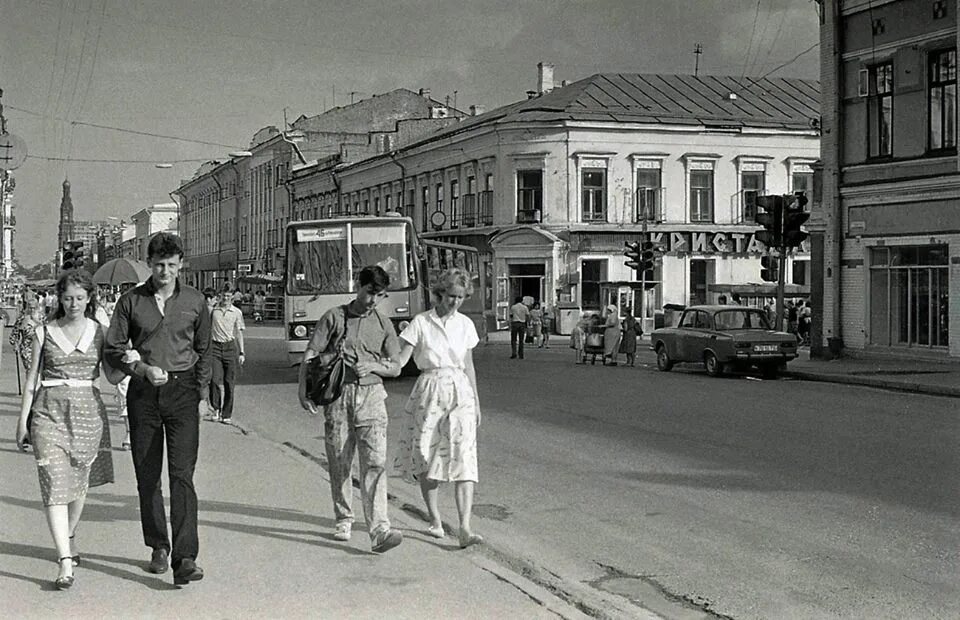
72,255
769,268
770,216
794,217
633,255
647,258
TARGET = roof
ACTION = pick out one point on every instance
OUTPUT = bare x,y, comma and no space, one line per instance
787,103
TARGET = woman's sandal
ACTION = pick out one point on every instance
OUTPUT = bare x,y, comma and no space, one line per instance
436,531
469,540
66,581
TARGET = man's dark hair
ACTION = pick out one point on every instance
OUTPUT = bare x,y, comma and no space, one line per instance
226,288
209,292
164,245
375,277
519,299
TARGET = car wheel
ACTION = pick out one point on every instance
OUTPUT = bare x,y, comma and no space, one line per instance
664,363
713,365
770,371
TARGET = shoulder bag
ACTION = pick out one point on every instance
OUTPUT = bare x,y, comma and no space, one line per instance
325,381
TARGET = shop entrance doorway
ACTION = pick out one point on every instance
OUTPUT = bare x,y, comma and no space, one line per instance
527,281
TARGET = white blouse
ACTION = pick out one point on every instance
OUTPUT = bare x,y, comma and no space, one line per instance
438,343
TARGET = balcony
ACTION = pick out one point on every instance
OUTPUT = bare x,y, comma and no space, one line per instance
649,203
743,206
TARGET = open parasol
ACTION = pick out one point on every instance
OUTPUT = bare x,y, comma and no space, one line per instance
122,271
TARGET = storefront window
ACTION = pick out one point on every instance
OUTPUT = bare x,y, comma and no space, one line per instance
909,296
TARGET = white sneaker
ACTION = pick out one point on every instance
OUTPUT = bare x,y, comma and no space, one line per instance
343,531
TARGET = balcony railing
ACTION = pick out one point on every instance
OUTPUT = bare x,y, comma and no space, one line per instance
743,206
529,216
649,203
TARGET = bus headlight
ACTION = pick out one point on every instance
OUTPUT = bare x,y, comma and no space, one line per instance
300,331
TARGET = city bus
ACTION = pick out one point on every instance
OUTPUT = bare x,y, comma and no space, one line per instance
324,257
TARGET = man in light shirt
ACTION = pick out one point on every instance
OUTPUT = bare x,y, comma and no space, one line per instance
519,313
226,345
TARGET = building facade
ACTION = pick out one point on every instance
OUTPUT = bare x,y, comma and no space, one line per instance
890,221
549,189
163,217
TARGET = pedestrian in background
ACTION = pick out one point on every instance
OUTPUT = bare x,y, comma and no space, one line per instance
358,419
120,393
69,429
226,355
547,326
259,306
535,324
519,313
628,342
578,340
611,336
168,324
438,441
211,297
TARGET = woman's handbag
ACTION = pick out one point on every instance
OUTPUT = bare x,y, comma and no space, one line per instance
325,381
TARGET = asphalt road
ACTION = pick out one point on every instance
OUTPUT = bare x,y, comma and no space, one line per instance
745,498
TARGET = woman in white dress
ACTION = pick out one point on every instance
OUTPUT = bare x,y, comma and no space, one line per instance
439,436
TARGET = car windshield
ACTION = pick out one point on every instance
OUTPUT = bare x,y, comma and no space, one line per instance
741,318
317,256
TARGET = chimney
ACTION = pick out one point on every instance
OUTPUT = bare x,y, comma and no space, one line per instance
531,94
477,110
544,77
425,93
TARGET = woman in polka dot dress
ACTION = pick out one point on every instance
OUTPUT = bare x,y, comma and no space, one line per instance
69,429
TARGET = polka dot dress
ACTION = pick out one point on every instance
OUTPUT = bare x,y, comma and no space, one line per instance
70,432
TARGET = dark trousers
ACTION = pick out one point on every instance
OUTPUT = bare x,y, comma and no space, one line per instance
518,333
225,360
168,411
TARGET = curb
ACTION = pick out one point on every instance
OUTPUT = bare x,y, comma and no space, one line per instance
884,384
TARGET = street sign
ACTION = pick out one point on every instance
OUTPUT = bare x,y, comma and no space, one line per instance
13,151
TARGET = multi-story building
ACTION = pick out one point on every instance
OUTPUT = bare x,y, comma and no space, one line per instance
235,211
89,232
550,188
163,217
890,225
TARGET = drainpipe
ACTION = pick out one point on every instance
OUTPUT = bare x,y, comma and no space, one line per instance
403,179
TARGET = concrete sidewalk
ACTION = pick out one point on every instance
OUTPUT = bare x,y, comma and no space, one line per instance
266,546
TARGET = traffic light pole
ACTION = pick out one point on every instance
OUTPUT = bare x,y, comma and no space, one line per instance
781,280
643,273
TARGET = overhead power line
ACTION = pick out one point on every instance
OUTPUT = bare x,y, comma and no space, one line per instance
120,161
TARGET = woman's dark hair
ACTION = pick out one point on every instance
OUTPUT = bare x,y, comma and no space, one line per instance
164,245
81,278
209,292
374,275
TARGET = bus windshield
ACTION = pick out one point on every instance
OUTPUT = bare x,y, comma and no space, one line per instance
325,258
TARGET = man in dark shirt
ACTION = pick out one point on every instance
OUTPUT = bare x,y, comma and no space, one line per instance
169,326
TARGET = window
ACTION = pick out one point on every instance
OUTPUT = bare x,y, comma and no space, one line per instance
439,196
803,182
800,270
880,110
425,199
376,205
649,195
701,195
386,202
752,185
943,100
592,273
909,296
529,195
454,201
593,182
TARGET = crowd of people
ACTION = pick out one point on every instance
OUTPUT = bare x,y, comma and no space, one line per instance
170,343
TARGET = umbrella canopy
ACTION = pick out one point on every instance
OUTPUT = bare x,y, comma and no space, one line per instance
122,271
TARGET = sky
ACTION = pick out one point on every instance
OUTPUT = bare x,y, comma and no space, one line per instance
216,71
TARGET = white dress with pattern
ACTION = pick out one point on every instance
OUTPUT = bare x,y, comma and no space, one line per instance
438,437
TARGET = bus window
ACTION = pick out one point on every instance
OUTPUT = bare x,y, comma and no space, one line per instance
317,260
383,245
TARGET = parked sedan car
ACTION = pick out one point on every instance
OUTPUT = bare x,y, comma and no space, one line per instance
724,337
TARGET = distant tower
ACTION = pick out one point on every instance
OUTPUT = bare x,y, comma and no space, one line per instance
66,216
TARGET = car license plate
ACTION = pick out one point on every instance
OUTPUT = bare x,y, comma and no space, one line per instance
766,348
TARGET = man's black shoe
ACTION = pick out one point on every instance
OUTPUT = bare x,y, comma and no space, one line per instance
158,561
187,571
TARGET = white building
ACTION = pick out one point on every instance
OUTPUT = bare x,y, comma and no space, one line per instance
147,222
550,188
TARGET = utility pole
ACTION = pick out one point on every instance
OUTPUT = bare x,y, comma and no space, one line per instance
697,50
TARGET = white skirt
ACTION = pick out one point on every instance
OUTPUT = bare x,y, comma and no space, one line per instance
438,438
